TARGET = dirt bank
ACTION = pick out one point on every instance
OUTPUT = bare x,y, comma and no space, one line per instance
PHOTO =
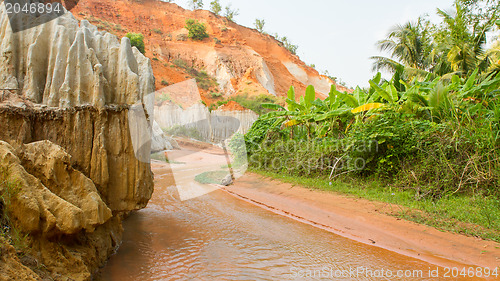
367,222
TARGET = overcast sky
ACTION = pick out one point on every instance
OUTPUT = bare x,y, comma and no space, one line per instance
335,35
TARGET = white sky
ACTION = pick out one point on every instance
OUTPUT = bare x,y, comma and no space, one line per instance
338,36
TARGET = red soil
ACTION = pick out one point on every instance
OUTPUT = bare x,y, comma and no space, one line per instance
161,23
367,222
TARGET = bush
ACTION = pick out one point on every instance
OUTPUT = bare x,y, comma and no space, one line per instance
137,40
205,81
434,160
197,30
254,103
215,7
8,191
259,25
230,13
196,4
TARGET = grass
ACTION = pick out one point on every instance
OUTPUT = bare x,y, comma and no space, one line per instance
8,190
254,103
215,95
476,216
105,25
204,80
213,177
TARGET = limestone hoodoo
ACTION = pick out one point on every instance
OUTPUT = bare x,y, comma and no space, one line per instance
68,165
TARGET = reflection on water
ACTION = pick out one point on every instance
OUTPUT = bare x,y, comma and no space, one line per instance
218,237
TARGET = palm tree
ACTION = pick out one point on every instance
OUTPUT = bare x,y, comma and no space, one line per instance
462,42
456,46
494,54
410,48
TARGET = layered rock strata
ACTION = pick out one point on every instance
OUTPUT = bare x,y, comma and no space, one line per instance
68,166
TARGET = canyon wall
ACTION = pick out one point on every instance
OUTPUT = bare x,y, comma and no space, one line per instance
98,141
68,167
241,59
62,63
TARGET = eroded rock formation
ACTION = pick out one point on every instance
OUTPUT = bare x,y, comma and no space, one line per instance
63,63
67,160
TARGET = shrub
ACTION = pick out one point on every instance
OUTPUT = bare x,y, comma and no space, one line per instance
197,30
230,14
137,40
196,4
164,82
180,63
205,81
254,103
9,190
219,103
259,25
215,7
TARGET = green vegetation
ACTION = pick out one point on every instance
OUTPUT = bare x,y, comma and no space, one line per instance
157,30
213,177
196,4
431,138
259,25
216,95
215,7
8,190
205,81
137,40
393,134
287,44
103,24
197,30
164,82
456,46
254,103
470,215
230,13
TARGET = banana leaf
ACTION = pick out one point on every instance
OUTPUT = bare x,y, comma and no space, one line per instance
367,107
273,106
